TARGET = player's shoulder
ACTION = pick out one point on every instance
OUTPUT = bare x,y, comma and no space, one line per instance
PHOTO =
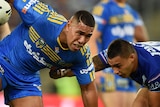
107,3
101,7
152,47
131,9
84,53
104,3
149,43
85,50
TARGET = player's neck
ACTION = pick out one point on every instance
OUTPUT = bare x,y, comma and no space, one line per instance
62,39
135,63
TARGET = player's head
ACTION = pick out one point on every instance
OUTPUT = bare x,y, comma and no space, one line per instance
79,29
122,57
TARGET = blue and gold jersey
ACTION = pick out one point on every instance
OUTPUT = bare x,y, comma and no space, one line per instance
148,71
115,21
37,43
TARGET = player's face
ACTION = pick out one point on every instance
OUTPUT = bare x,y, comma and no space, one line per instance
78,35
122,66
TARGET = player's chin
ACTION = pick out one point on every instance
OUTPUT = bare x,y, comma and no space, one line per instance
124,76
74,48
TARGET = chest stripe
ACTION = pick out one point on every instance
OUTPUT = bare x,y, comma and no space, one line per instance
92,75
41,8
44,47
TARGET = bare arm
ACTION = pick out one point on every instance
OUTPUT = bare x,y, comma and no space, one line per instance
99,65
154,98
89,95
146,98
55,74
93,42
141,99
89,92
4,30
141,33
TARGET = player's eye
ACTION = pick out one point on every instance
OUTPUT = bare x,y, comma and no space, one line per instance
81,33
89,35
117,65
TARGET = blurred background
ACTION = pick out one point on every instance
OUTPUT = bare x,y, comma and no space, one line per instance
68,87
148,9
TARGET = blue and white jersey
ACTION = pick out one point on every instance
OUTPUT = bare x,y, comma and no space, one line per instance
148,71
37,43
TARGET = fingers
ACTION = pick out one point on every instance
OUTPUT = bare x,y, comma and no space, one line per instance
55,74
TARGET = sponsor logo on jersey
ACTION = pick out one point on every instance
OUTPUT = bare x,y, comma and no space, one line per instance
1,70
153,47
85,71
154,86
38,87
56,49
40,43
36,55
28,5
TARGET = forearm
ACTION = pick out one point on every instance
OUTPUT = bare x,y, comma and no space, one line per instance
141,99
141,34
89,95
54,73
4,30
98,64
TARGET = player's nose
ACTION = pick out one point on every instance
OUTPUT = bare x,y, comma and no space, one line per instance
116,71
83,40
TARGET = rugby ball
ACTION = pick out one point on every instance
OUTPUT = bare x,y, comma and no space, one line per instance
5,11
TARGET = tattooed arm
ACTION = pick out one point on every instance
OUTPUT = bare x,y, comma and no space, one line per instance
98,64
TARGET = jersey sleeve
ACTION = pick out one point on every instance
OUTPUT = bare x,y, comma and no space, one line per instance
100,12
103,56
85,75
31,10
137,18
84,67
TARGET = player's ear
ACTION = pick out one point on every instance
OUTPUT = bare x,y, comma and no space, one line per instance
132,57
69,23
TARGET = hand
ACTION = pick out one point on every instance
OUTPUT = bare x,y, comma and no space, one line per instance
55,74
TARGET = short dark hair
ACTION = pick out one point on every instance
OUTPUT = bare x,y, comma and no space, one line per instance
120,47
86,17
